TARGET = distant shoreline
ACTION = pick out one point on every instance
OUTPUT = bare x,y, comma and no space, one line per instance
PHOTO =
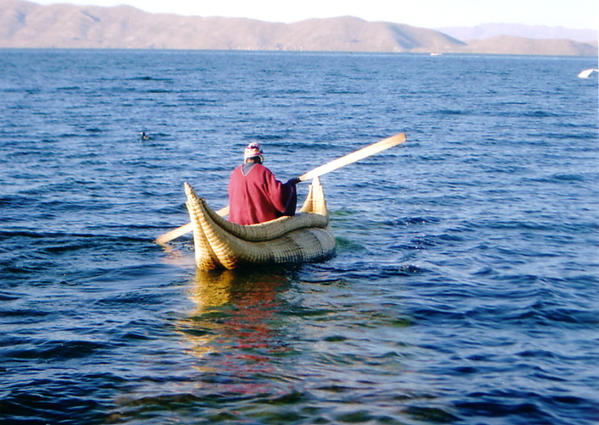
30,25
306,52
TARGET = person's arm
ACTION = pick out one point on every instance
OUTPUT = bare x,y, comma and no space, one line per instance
283,195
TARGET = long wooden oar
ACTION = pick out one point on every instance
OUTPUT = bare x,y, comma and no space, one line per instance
182,230
354,156
316,172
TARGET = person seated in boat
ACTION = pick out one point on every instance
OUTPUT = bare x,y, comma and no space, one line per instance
255,195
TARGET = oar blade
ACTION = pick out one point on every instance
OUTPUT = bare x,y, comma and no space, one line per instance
174,234
355,156
182,230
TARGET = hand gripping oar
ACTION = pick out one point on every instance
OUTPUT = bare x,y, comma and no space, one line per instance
316,172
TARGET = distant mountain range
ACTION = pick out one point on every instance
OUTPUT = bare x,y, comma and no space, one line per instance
485,31
25,24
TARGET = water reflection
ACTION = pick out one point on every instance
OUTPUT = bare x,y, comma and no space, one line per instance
233,332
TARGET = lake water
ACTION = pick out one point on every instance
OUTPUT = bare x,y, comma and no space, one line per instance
464,289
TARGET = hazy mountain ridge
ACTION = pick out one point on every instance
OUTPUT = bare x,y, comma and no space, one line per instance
505,44
29,25
540,32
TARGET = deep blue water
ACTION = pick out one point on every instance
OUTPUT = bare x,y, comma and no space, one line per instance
465,288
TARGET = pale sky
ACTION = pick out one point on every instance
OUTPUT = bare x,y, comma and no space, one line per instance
420,13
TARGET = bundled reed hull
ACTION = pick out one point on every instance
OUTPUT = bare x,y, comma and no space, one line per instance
219,244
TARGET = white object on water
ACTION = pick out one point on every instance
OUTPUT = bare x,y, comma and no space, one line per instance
587,72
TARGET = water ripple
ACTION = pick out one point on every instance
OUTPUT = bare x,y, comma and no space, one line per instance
464,287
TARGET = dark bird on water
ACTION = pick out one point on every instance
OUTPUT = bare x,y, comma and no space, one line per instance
143,135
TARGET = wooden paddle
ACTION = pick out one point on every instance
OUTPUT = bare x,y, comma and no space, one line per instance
316,172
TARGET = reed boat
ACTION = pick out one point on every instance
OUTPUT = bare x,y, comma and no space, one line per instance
301,238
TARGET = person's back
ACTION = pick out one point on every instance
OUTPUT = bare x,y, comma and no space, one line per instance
255,195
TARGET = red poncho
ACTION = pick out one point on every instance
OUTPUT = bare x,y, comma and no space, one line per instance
258,196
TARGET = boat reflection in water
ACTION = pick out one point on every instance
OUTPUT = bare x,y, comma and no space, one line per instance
233,332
